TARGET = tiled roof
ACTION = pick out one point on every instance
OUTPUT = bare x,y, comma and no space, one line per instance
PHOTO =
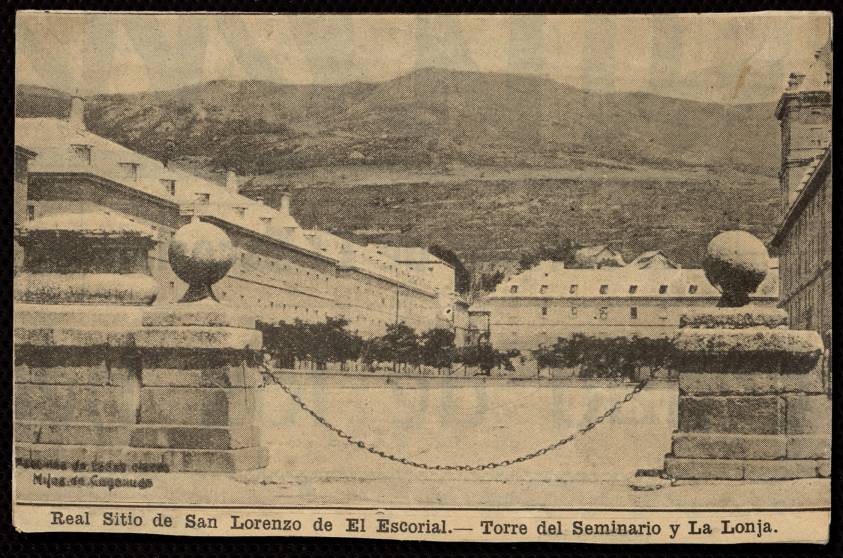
365,259
54,141
545,281
406,254
653,259
592,255
810,182
590,251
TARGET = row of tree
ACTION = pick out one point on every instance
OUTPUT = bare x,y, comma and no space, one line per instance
331,341
628,356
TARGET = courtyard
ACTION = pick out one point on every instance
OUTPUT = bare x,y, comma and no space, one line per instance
455,421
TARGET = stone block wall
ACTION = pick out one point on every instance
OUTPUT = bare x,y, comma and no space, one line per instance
187,408
102,376
742,420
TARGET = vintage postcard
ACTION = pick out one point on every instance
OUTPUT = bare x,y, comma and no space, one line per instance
560,278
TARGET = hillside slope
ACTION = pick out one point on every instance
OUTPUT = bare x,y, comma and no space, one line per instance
429,117
487,164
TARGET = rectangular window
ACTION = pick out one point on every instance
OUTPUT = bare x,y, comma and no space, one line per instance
604,289
663,289
203,198
633,289
692,289
573,289
513,289
633,313
604,313
169,186
30,212
82,152
573,310
544,310
129,170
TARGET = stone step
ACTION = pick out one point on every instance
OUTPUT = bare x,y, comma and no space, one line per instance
138,436
747,446
176,460
751,384
746,469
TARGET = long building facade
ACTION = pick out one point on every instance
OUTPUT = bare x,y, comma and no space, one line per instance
549,301
283,272
804,236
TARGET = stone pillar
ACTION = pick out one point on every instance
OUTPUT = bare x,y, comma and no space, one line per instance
752,404
101,376
200,375
78,301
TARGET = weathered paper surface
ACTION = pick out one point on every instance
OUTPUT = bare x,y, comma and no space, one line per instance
445,277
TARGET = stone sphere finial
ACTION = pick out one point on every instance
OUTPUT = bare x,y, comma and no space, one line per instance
736,262
200,255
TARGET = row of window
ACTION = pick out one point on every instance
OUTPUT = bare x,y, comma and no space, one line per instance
128,169
604,289
247,266
271,304
603,312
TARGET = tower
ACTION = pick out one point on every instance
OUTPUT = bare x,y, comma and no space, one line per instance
804,111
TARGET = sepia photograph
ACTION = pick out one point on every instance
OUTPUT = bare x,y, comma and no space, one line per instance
450,277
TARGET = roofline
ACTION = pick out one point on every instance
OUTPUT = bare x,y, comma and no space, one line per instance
376,275
272,239
795,209
19,149
437,261
627,297
106,182
175,205
788,95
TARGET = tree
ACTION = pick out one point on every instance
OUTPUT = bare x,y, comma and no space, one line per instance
436,348
463,275
488,281
320,342
399,345
485,357
608,356
560,251
285,342
402,344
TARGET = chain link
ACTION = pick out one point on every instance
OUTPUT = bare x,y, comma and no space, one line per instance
448,467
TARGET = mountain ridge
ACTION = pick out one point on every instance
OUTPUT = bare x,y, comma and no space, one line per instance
427,117
490,165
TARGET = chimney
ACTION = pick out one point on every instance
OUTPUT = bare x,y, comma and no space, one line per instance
795,80
285,203
77,112
231,182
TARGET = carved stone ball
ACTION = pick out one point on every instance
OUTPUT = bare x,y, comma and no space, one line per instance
736,262
200,255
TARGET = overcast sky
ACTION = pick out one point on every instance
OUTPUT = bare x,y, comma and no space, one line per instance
724,58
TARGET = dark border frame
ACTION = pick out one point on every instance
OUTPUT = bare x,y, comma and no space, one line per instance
16,544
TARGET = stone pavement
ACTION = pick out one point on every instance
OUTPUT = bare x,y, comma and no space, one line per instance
241,490
465,421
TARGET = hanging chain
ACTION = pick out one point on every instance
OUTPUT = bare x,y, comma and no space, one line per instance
446,467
